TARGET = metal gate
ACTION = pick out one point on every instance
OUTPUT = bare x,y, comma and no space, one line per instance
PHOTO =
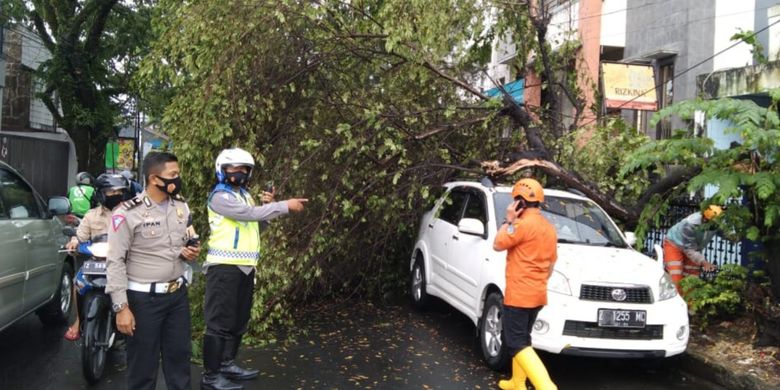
44,163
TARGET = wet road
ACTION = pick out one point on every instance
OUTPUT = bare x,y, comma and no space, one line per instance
346,347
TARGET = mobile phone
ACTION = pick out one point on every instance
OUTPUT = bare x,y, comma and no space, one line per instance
519,206
269,186
193,241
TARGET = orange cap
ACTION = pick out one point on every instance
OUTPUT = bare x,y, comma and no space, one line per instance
528,189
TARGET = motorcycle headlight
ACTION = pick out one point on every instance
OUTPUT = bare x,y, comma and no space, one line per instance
558,284
666,287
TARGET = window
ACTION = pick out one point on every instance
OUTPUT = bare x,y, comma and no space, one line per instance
475,208
17,197
452,208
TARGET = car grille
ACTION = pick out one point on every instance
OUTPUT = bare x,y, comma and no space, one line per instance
592,330
604,294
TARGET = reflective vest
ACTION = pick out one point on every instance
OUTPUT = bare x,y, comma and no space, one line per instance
233,242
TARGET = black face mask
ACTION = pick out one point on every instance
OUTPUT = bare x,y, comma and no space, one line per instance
112,201
171,187
236,178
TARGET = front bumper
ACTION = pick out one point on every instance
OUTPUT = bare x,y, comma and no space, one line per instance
666,320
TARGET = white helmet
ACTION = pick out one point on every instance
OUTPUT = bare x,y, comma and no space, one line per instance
234,157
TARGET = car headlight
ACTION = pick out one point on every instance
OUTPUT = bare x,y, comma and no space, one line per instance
558,284
666,287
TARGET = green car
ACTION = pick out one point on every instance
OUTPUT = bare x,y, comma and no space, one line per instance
34,275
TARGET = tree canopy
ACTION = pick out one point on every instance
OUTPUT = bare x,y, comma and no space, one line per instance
95,47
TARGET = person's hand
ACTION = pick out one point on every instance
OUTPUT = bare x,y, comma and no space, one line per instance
72,244
511,213
296,204
190,253
708,267
125,321
268,197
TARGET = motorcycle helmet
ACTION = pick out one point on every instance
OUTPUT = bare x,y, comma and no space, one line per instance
84,178
233,157
111,182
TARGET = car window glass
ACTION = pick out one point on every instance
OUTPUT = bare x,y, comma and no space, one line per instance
580,222
17,197
452,207
475,208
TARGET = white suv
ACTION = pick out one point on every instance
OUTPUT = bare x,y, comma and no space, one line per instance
605,299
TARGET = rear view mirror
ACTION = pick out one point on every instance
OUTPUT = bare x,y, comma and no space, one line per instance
471,226
630,239
59,205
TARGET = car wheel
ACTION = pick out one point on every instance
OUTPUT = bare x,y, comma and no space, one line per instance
490,333
57,310
417,284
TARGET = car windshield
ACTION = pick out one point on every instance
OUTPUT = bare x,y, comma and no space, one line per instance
576,221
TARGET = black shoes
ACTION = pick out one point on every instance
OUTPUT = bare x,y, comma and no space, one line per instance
230,370
217,381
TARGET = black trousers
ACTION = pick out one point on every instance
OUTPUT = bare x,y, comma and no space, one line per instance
162,328
518,323
228,301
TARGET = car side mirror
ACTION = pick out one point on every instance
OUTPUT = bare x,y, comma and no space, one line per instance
471,226
630,239
59,205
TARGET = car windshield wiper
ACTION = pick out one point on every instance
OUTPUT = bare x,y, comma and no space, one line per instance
566,241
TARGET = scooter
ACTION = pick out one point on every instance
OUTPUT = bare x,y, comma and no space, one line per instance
98,327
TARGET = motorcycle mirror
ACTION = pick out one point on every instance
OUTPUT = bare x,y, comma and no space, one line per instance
69,231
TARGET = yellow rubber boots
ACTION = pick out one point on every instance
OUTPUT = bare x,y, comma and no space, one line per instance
533,367
517,382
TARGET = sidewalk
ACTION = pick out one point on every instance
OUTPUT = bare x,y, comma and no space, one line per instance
726,356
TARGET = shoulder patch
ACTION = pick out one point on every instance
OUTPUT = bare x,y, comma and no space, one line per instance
147,202
132,203
116,221
179,198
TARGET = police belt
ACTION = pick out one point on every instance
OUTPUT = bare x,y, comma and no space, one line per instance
157,288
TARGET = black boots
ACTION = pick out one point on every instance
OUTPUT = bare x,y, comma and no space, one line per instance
213,379
228,367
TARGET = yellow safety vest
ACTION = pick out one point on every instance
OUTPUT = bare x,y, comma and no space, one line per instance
233,242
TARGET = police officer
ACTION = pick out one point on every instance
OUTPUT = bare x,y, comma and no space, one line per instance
110,191
234,250
145,268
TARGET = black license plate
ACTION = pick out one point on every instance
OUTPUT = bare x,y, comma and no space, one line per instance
92,267
612,318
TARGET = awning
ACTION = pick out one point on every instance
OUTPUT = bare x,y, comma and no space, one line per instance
515,89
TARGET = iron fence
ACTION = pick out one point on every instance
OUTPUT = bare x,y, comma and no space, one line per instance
720,251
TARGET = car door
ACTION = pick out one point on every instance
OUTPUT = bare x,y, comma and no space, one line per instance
468,252
26,214
442,227
13,267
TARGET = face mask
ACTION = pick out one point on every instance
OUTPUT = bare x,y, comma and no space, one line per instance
171,187
236,178
112,201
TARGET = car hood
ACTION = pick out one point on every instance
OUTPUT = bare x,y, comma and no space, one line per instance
582,263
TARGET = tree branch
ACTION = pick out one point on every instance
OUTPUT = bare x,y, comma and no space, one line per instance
92,43
40,26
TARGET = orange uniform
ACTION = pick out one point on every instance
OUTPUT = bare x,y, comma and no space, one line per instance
532,248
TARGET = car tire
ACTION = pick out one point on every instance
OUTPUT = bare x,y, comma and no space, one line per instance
417,283
58,309
491,340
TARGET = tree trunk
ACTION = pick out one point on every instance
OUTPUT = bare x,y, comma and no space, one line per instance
90,149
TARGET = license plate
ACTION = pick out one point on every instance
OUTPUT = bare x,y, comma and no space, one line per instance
622,318
92,267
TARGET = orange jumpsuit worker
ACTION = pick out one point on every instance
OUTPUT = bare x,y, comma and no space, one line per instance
531,245
685,241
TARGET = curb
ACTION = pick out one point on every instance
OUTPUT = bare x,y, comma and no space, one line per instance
699,364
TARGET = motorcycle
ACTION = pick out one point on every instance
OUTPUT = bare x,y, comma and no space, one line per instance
98,326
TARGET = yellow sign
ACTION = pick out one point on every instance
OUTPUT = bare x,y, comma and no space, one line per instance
631,87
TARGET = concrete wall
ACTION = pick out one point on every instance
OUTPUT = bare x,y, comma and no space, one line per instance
682,26
731,17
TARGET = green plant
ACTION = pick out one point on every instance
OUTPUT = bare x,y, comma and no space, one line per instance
719,299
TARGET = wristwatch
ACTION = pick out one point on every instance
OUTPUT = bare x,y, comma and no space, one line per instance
117,307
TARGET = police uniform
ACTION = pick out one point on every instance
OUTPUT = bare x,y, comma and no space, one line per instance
94,224
234,251
145,271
